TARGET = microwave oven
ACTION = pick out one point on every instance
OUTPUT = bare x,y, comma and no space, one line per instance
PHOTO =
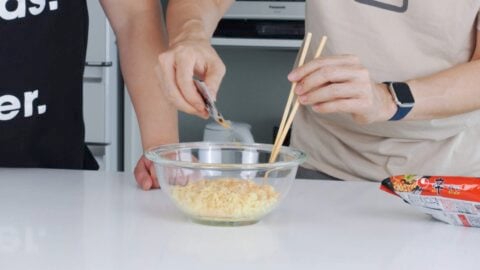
277,24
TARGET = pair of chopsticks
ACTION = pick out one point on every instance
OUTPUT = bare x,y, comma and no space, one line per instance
289,112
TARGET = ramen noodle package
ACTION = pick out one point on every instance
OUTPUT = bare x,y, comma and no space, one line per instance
452,199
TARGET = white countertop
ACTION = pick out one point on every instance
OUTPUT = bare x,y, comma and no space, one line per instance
58,219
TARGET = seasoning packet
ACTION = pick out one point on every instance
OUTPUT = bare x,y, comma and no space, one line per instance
452,199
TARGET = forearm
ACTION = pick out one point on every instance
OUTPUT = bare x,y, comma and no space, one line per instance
194,19
141,39
447,93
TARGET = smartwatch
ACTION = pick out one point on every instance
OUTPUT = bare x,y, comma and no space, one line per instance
402,95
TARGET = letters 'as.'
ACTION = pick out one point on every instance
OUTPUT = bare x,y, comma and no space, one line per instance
19,9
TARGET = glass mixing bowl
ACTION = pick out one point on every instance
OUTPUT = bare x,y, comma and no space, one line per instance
226,184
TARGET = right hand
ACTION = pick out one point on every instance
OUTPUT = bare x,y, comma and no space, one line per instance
176,67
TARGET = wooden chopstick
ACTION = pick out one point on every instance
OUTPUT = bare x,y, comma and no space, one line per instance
285,126
291,96
288,106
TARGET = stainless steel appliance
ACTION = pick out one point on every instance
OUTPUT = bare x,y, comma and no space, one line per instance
100,91
262,24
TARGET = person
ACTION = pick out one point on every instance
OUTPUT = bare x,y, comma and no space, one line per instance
352,125
42,62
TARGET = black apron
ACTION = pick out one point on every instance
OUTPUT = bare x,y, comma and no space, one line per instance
42,58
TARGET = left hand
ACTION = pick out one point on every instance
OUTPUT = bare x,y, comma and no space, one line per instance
145,174
341,84
147,178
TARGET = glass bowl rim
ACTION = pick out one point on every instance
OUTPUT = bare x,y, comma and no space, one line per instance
153,155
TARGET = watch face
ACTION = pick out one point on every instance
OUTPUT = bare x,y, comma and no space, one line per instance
403,93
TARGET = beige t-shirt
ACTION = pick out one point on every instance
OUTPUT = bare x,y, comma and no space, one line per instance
396,40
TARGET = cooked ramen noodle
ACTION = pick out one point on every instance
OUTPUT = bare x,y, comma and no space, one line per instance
225,199
406,183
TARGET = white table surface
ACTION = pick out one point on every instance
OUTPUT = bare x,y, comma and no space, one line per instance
58,219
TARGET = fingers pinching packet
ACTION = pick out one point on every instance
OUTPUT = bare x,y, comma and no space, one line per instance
452,199
210,104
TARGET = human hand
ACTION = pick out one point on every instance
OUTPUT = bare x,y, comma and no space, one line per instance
145,174
341,84
188,57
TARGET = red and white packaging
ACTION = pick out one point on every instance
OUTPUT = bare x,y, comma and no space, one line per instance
452,199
